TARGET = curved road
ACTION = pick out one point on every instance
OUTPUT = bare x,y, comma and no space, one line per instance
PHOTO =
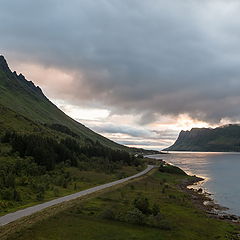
30,210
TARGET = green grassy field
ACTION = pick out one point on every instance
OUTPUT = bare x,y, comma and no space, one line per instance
178,218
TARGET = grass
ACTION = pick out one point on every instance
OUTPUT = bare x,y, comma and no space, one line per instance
87,228
83,219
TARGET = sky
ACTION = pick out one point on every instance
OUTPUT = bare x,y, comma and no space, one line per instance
135,71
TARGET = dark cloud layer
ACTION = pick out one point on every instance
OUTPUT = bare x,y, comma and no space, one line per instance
146,57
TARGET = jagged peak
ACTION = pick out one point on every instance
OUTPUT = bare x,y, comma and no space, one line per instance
4,65
19,77
2,58
22,78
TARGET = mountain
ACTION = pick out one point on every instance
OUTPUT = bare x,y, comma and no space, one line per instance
45,154
24,108
221,139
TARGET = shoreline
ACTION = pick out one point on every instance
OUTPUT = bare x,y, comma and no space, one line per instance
202,199
205,203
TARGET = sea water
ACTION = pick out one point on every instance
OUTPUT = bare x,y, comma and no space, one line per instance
221,172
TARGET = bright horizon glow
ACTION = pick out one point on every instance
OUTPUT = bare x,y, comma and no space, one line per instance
100,116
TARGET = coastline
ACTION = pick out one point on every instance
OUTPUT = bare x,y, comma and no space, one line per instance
200,198
204,202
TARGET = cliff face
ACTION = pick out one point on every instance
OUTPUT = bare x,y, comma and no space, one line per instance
225,138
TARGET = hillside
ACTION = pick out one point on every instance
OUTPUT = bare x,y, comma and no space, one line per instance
22,97
221,139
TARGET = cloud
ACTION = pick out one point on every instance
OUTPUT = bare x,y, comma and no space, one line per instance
131,131
141,57
135,136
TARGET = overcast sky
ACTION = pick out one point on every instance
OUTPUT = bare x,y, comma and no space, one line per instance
136,71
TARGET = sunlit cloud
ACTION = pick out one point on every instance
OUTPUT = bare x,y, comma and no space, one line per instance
81,114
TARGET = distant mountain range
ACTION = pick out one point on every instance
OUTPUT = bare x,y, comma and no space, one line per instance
220,139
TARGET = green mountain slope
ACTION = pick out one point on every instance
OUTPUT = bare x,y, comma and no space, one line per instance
17,95
221,139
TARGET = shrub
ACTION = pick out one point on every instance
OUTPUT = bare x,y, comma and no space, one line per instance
56,192
16,196
155,221
7,194
155,209
108,214
135,216
39,196
142,204
171,169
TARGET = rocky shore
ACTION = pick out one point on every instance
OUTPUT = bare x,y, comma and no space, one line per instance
203,200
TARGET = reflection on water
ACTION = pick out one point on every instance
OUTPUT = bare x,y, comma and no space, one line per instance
220,170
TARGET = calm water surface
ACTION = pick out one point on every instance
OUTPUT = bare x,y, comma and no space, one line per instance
221,171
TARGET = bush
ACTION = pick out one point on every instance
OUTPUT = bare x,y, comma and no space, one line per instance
155,209
142,204
39,196
155,221
16,196
171,169
7,194
135,216
56,192
108,214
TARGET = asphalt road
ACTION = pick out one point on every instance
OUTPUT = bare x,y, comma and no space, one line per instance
8,218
